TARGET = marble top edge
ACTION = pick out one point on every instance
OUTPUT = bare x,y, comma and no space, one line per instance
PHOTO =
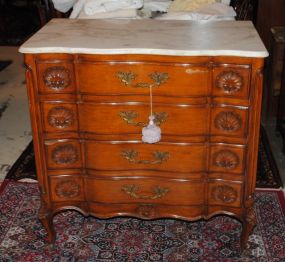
176,38
58,50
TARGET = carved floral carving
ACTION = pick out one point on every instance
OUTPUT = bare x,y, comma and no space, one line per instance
229,81
65,154
67,189
224,193
60,117
228,121
56,77
226,159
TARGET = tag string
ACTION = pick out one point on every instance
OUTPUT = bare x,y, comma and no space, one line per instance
151,133
150,98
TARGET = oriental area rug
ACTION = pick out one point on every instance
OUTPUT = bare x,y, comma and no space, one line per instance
22,237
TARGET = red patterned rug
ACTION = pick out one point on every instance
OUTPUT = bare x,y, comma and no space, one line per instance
22,237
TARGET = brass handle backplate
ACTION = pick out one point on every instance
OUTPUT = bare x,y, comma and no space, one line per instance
132,190
131,155
127,79
129,116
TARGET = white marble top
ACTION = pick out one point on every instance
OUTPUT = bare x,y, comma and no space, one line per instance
181,38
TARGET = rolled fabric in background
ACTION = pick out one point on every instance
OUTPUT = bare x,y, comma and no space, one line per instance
118,14
123,4
92,7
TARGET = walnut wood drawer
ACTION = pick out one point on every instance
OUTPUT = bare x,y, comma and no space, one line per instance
167,157
143,190
163,191
67,188
189,158
229,121
231,81
129,119
181,79
59,117
56,77
225,193
227,158
120,78
160,157
63,154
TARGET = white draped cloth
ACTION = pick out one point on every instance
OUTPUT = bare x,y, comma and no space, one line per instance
92,7
63,5
127,8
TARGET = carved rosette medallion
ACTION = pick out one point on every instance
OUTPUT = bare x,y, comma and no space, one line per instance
228,121
60,117
56,77
65,154
226,159
67,189
229,81
225,194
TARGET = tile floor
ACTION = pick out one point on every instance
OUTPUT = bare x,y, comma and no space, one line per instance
15,131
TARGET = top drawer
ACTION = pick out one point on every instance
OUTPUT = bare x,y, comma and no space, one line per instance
175,79
134,78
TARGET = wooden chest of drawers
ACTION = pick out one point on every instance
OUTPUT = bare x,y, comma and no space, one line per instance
87,113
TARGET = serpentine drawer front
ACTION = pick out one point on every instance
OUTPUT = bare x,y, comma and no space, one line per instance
133,156
88,107
152,191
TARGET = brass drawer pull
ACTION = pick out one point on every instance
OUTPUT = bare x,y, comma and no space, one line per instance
127,79
131,156
129,116
132,190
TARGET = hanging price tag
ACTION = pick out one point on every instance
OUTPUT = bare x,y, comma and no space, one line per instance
151,133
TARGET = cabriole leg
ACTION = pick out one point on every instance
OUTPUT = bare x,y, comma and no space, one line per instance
46,219
247,227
